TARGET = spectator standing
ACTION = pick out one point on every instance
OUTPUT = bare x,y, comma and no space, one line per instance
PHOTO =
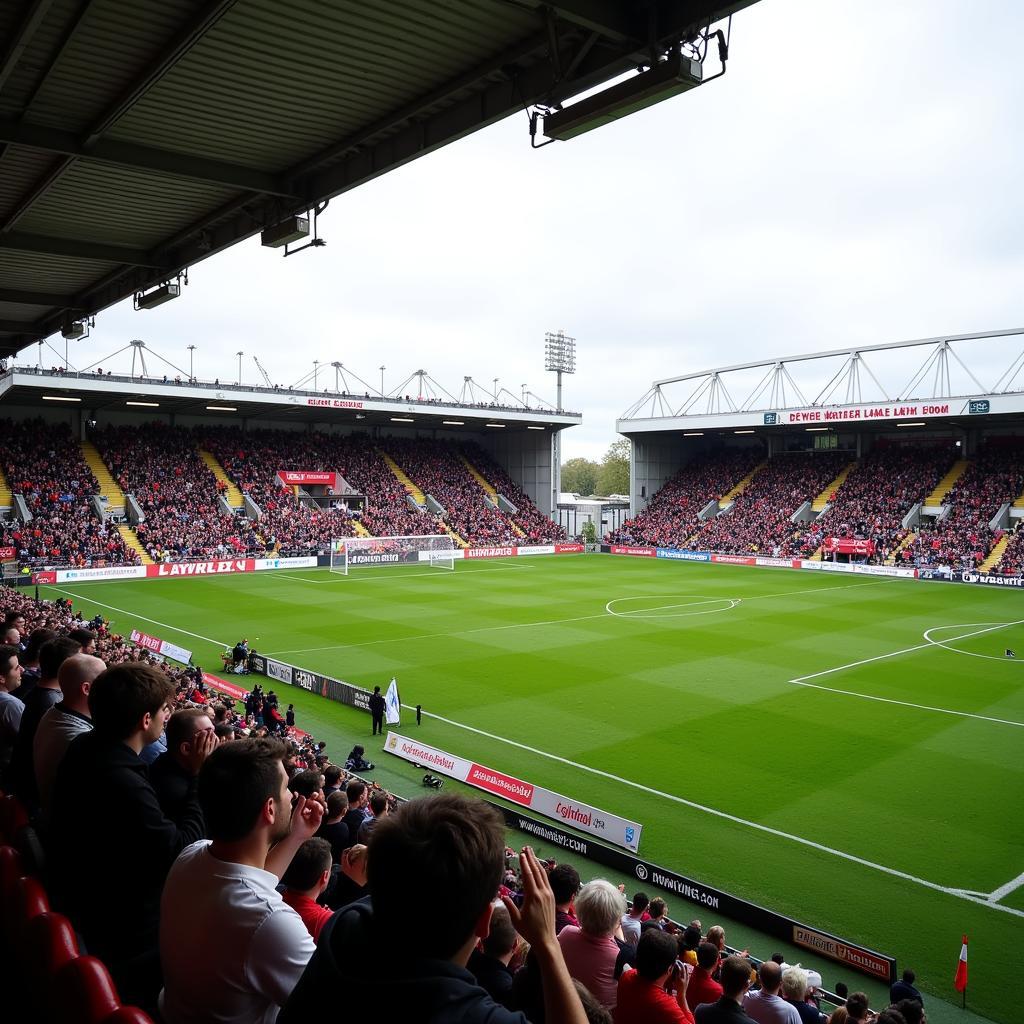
565,884
63,722
305,880
590,949
378,810
232,950
631,919
172,773
765,1005
702,987
729,1007
401,956
377,707
110,885
795,986
904,988
333,827
655,992
11,708
488,963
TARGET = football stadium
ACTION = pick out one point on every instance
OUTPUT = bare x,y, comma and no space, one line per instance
290,674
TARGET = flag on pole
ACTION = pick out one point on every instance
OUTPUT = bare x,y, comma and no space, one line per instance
961,969
392,705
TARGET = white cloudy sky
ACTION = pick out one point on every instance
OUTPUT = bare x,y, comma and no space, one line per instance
854,178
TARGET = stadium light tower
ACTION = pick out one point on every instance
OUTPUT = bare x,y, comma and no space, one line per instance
560,357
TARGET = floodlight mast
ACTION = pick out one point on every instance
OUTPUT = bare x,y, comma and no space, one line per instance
560,357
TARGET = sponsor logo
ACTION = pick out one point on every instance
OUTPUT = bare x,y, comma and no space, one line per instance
303,477
537,549
358,559
334,403
6,554
835,949
503,785
201,568
780,563
684,556
569,549
995,581
979,406
392,741
734,559
867,412
279,671
629,835
624,549
224,686
489,552
641,872
307,680
431,757
771,418
361,699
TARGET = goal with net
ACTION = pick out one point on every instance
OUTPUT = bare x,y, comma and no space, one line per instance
436,551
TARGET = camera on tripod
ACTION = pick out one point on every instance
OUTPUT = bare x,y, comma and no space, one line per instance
432,781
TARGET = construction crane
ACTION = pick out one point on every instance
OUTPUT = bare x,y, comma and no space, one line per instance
263,372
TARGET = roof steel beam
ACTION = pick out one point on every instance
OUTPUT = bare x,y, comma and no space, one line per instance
75,248
19,327
30,298
122,154
156,69
34,15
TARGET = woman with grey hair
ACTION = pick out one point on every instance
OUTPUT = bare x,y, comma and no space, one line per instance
590,950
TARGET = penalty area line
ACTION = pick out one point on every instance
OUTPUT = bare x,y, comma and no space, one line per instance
735,819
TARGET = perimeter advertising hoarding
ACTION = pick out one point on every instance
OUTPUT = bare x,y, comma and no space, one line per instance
314,682
609,827
158,646
629,549
683,556
292,477
857,957
6,554
988,578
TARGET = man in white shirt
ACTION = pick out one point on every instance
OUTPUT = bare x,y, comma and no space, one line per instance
631,919
63,722
232,950
765,1005
10,707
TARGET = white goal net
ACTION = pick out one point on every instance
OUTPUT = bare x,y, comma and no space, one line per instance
436,551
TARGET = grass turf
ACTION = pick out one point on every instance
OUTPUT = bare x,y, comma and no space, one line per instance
677,678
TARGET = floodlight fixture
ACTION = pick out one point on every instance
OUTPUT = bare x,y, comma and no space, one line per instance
294,229
60,398
75,330
158,296
693,433
534,428
402,419
501,425
559,352
921,424
222,408
744,431
145,405
453,423
670,77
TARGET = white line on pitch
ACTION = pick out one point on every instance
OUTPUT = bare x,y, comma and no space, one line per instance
1005,890
143,618
398,576
895,872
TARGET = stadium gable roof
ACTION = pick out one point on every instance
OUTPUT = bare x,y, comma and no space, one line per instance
138,139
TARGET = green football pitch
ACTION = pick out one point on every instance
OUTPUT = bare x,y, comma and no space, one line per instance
845,750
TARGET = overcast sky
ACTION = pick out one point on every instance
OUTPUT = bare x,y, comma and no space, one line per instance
855,177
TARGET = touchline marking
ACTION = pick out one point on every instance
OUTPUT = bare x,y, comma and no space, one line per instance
802,680
757,826
1004,890
135,615
399,576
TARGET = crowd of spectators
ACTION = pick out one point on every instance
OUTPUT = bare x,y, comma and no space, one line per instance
437,470
537,526
671,518
760,519
43,462
962,539
177,493
863,508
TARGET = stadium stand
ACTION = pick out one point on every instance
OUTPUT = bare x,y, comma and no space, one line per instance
861,509
962,536
759,520
671,519
44,466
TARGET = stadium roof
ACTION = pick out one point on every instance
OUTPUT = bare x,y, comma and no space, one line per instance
41,388
137,139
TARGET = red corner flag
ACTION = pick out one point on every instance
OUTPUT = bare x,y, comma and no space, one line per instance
960,984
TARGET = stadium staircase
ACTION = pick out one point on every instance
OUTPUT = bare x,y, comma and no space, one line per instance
742,485
132,541
5,492
109,488
417,495
819,503
946,484
454,536
491,492
894,555
1019,503
996,554
232,495
361,531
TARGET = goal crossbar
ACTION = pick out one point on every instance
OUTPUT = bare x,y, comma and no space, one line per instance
436,551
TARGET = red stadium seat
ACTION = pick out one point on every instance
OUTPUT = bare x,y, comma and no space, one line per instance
49,943
128,1015
13,817
84,992
11,869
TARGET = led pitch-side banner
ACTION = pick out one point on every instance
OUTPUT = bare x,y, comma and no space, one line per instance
848,546
301,476
609,827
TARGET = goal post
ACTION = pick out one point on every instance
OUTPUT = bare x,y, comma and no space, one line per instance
436,551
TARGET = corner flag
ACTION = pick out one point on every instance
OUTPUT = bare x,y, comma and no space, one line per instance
392,705
960,984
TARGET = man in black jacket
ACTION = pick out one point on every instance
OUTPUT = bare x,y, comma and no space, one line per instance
171,773
377,707
735,980
111,845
